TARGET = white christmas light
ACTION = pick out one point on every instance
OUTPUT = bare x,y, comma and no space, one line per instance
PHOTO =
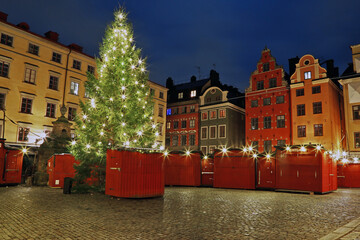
344,153
250,148
356,159
114,48
99,143
103,125
83,127
124,134
254,155
73,142
287,148
121,16
140,62
224,150
303,149
84,116
268,156
151,118
245,149
318,147
24,150
123,96
142,85
132,66
162,148
101,133
93,103
135,141
205,157
111,99
127,143
123,124
87,146
166,153
140,133
344,160
142,69
130,39
153,126
156,134
187,152
123,88
136,82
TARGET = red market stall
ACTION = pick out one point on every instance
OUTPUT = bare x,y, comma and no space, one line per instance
132,174
305,169
348,175
183,169
234,169
265,172
59,167
11,161
207,172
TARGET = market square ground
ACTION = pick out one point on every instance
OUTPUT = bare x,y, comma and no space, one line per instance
183,213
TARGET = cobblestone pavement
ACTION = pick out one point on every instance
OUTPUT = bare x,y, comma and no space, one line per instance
183,213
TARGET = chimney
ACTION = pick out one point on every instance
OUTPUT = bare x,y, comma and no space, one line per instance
292,65
193,79
169,83
76,47
53,36
214,76
24,26
3,17
332,71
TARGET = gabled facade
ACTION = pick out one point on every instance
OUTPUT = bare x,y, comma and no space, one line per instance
222,120
182,120
267,103
351,88
316,106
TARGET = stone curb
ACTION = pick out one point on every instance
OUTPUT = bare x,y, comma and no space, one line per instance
345,232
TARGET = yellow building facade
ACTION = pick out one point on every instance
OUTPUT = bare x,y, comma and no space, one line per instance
351,88
38,75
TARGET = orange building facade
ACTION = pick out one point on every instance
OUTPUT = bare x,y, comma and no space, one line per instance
268,118
316,106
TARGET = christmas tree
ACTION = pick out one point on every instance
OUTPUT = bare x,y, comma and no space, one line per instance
119,109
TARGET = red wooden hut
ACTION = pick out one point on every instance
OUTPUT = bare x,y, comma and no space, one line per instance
207,172
348,175
11,161
59,167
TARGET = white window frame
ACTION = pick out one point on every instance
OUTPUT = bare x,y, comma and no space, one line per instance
74,81
52,101
190,125
54,74
307,75
5,92
207,133
180,95
213,126
193,93
222,125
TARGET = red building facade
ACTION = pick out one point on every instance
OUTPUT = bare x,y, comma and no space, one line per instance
267,103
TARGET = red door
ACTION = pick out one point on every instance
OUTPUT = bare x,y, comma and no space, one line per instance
13,166
265,173
113,168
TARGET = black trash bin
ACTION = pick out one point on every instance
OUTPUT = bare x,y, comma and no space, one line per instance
67,185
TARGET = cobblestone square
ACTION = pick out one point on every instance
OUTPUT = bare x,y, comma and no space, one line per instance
183,213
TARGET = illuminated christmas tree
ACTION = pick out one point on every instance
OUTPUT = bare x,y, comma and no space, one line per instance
119,111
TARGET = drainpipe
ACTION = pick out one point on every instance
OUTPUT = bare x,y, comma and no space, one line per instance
66,70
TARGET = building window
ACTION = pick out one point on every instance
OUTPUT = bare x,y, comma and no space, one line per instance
356,112
176,125
254,123
299,92
213,114
281,143
265,67
357,139
307,75
53,82
50,110
317,107
26,104
180,95
56,57
167,141
2,102
300,109
254,103
212,149
204,116
161,95
161,111
193,93
23,134
74,88
30,75
77,64
160,129
267,101
33,49
222,131
318,129
260,85
280,121
204,149
267,122
6,39
212,131
316,89
267,146
192,108
183,140
301,131
183,110
204,133
280,99
91,69
192,123
222,113
175,111
168,112
175,140
168,125
183,124
272,82
72,113
192,139
152,91
255,145
4,69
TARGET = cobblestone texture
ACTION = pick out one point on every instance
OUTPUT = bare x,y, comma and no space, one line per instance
183,213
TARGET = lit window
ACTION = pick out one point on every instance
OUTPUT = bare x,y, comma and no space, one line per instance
168,125
307,75
280,121
23,134
180,95
30,75
168,111
74,88
212,149
160,125
193,93
192,108
204,149
192,123
357,139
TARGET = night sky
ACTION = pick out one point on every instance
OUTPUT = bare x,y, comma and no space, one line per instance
228,35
